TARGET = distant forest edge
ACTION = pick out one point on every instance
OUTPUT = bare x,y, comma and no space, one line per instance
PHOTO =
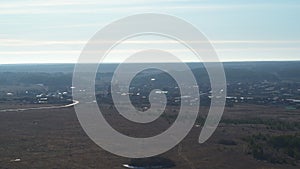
110,67
61,74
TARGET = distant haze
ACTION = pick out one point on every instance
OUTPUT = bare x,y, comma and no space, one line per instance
56,31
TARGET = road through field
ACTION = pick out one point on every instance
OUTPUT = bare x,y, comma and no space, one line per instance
41,108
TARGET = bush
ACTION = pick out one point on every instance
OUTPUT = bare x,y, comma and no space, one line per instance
227,142
275,149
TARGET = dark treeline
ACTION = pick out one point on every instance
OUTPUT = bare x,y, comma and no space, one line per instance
239,71
26,78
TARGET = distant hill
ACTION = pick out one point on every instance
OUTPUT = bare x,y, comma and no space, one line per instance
235,71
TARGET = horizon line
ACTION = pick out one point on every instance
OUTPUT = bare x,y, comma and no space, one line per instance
61,63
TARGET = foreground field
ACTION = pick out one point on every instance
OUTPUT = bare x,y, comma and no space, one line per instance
54,139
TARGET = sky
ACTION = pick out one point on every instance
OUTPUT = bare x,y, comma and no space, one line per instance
39,31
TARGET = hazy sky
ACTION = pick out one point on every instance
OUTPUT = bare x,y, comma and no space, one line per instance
55,31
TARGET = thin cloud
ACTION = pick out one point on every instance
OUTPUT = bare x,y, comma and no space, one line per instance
123,51
55,3
119,6
24,42
42,52
117,9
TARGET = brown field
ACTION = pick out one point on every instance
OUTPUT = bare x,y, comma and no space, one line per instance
54,139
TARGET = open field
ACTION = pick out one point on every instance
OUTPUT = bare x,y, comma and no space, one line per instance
54,139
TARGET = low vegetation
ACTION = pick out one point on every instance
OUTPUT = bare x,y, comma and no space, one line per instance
270,123
284,149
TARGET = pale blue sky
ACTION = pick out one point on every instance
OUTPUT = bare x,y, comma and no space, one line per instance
39,31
